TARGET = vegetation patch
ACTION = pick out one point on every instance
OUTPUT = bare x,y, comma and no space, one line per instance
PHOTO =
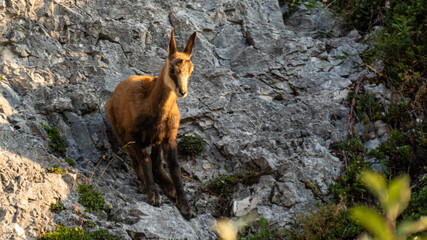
330,221
401,46
225,186
261,229
417,206
89,224
56,169
293,6
56,207
404,152
70,161
367,106
401,43
279,97
75,233
191,146
56,143
90,198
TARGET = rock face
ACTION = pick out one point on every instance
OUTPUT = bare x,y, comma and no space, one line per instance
266,95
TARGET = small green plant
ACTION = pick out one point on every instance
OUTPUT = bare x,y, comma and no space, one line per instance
191,146
89,224
325,34
75,233
56,207
260,230
90,198
417,206
367,106
362,14
353,147
56,143
56,169
404,151
70,161
293,6
329,221
402,45
279,97
347,185
225,186
394,198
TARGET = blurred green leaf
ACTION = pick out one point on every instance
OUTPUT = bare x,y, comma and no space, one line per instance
406,229
372,221
398,196
376,183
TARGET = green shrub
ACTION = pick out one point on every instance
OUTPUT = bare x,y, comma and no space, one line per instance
398,115
56,143
402,44
362,14
347,185
90,198
89,224
260,230
367,106
56,169
293,5
225,186
70,161
330,221
56,207
404,151
417,206
191,146
74,233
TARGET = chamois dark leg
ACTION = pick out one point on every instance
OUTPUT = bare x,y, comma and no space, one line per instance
143,168
170,153
159,174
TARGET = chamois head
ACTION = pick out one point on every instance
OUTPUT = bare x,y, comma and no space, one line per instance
179,66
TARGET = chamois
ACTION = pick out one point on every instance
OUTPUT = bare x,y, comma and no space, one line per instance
143,110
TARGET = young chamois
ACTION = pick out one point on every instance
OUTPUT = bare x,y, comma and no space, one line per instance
143,110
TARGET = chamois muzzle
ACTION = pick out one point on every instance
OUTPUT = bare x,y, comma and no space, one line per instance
182,93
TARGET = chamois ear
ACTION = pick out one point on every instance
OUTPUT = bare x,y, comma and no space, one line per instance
172,46
190,44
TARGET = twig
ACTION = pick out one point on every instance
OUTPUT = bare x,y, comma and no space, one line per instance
374,70
90,180
350,121
87,167
113,159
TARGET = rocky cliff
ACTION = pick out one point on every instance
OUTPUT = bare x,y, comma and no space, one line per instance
266,96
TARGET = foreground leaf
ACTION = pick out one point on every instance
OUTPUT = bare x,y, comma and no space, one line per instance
376,183
372,221
406,229
398,196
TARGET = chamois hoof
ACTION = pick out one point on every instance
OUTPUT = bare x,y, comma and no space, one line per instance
188,215
154,199
186,211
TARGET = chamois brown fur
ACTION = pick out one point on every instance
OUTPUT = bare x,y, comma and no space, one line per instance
143,110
